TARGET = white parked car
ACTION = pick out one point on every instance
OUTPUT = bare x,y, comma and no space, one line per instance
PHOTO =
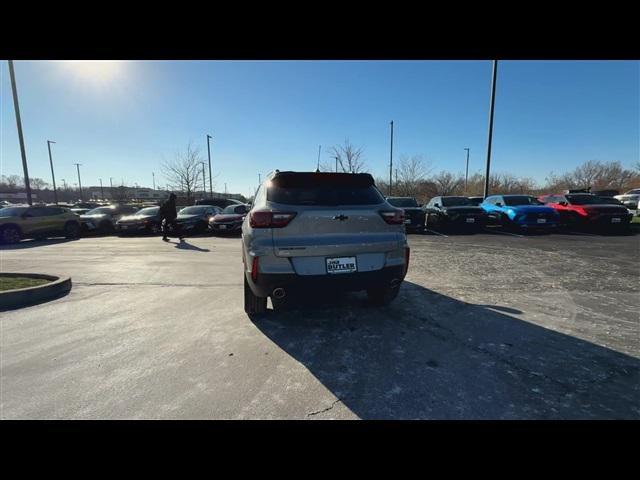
631,199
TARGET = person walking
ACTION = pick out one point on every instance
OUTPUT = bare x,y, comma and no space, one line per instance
168,216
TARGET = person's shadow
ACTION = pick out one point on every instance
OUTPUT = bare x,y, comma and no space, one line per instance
430,356
184,245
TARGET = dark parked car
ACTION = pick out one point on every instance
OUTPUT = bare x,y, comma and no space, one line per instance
146,220
450,211
195,219
229,220
414,215
219,202
103,219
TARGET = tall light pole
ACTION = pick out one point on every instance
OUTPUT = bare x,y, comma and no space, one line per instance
318,165
53,177
391,159
111,188
225,188
493,97
210,177
466,175
336,157
101,190
16,107
79,182
204,184
153,174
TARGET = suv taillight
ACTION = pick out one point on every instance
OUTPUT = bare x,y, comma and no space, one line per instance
270,219
393,217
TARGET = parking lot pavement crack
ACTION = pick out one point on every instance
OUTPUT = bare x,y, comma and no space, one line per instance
325,409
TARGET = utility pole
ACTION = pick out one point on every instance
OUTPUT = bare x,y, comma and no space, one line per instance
225,188
493,97
336,157
53,177
318,165
101,190
16,107
391,159
154,180
396,170
210,177
79,182
111,189
466,175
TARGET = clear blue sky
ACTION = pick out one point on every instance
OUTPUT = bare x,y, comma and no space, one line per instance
120,119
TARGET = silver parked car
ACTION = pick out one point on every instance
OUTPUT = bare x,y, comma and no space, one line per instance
321,232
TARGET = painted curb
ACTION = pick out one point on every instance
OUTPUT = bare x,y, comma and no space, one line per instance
22,297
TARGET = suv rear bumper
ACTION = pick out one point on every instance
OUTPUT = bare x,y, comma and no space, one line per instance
264,285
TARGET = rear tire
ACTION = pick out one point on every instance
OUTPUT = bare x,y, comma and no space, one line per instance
382,295
253,305
9,235
72,230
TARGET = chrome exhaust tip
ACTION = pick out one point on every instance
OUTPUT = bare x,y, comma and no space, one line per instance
278,293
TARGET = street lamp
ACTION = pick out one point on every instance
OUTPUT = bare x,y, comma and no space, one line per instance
391,159
79,182
53,177
210,177
466,175
16,107
493,97
204,184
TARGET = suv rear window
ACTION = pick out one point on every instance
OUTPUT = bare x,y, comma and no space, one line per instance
324,189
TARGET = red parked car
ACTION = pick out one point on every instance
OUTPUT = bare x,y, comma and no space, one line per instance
587,210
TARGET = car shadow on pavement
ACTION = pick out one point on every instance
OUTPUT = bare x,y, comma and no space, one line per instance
36,243
431,356
184,245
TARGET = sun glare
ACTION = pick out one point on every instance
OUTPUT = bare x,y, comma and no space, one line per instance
99,71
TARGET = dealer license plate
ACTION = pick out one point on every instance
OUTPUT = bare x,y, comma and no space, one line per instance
222,227
542,220
470,220
342,265
615,220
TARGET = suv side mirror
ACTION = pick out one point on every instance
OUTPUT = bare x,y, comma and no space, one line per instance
436,205
499,204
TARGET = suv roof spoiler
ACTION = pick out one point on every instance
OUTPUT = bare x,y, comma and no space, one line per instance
290,178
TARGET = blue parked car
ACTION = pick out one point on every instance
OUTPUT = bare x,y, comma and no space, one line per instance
520,211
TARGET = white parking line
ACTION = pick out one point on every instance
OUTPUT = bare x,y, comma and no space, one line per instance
437,233
504,233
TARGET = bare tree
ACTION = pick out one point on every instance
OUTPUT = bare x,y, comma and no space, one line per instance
38,183
411,173
447,183
349,159
182,172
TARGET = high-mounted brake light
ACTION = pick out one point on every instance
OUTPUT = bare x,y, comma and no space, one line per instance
270,219
393,217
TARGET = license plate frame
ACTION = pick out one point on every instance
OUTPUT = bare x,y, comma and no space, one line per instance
470,220
341,265
616,220
541,220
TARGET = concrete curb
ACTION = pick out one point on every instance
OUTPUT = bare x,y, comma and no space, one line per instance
22,297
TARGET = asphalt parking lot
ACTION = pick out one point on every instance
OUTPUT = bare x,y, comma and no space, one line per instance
486,326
